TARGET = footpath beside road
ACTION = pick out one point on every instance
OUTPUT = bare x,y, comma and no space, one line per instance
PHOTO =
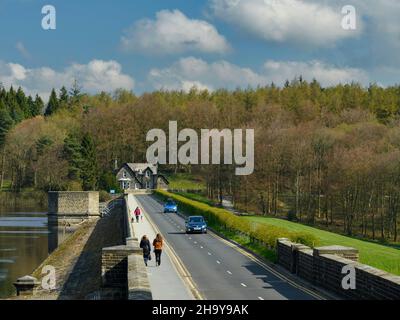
165,281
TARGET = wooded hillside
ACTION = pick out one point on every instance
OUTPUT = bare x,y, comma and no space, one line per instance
325,156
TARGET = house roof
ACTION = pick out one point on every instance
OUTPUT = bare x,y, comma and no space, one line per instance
140,167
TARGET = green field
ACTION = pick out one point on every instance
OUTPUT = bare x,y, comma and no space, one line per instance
196,197
373,254
184,181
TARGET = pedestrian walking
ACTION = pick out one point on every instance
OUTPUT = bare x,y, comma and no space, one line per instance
137,214
146,247
158,246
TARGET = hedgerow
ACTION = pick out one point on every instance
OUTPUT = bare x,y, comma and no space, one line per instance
223,219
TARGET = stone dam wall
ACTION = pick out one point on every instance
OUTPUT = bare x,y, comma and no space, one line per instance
117,271
72,207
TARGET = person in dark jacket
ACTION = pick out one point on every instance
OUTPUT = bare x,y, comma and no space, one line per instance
146,247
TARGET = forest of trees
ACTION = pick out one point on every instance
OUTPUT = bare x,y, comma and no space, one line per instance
323,156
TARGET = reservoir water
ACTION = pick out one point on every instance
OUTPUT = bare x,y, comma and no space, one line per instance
24,237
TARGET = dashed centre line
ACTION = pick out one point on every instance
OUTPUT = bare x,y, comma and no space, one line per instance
229,272
243,285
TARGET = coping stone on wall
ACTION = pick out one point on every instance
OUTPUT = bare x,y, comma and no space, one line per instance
345,252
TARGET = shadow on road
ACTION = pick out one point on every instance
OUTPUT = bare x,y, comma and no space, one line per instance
271,281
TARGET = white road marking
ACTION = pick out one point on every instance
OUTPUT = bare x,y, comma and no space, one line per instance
218,262
260,298
201,247
229,272
190,238
243,285
209,253
195,242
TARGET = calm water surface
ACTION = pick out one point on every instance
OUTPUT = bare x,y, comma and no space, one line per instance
23,238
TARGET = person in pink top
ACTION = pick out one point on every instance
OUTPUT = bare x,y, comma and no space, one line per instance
137,214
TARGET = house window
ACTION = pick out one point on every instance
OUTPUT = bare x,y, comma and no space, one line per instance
147,174
124,174
126,185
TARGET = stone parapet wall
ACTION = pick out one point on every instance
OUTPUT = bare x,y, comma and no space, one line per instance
323,267
123,270
138,283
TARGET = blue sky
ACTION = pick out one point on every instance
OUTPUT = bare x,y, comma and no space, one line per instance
175,44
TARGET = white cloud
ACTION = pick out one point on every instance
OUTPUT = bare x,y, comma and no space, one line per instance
325,73
296,21
173,32
22,50
96,76
186,72
195,71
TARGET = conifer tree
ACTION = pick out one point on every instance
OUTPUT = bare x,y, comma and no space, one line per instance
23,103
53,104
72,152
37,107
89,168
6,123
64,97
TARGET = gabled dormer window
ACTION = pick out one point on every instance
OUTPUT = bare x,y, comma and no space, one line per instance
147,173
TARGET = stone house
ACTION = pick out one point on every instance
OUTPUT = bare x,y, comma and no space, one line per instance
137,176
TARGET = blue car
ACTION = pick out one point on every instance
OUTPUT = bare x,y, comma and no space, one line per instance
196,224
170,206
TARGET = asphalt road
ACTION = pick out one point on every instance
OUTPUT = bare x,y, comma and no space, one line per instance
219,271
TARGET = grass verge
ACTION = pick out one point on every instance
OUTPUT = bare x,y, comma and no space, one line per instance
184,181
373,254
225,221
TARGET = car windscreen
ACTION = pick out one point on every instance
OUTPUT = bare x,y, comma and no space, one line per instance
170,203
196,220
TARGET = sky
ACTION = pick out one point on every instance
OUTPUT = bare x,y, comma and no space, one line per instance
146,45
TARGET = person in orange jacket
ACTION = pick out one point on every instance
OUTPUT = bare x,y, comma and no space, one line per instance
158,246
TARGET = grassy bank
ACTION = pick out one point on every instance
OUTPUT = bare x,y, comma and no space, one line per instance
244,229
184,181
373,254
196,197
